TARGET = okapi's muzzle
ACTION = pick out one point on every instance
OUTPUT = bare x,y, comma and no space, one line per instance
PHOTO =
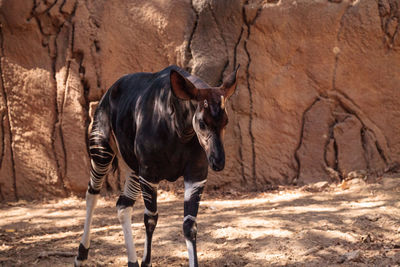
217,164
215,153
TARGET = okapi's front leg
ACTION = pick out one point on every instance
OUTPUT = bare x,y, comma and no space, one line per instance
149,192
193,191
124,208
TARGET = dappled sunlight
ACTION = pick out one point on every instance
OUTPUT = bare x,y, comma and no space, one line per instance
306,208
255,201
289,227
5,247
263,257
231,233
366,204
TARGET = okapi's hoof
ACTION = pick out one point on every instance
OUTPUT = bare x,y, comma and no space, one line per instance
133,264
78,263
82,255
145,265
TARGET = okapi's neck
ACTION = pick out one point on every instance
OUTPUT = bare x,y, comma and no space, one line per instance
183,112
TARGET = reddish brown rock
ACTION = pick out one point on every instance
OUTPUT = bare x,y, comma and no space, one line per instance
373,153
57,57
350,151
318,120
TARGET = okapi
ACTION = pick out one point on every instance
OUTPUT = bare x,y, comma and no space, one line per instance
165,125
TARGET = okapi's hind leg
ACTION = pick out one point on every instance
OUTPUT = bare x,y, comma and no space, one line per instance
101,158
124,208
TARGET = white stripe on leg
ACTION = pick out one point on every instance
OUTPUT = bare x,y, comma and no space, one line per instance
150,213
189,217
91,202
145,249
124,216
189,246
191,188
132,187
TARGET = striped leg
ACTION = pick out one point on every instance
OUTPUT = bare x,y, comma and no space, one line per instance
193,191
101,160
149,192
124,208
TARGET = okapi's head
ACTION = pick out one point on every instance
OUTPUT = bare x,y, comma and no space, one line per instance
210,118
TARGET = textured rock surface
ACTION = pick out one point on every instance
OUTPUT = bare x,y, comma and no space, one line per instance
318,90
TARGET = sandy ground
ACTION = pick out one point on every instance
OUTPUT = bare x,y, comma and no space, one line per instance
354,224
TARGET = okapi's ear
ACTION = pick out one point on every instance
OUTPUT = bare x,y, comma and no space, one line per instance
182,87
229,84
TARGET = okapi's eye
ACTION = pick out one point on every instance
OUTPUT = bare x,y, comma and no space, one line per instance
202,125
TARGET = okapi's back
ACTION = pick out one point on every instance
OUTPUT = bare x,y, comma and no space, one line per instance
130,104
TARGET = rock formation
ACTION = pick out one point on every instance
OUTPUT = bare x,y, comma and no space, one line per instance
318,93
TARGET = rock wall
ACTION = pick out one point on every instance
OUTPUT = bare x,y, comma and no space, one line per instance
318,94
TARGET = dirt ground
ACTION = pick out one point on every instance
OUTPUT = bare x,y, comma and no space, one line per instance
352,224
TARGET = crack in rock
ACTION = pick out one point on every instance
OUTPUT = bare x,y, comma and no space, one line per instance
389,13
247,70
189,54
8,120
225,44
